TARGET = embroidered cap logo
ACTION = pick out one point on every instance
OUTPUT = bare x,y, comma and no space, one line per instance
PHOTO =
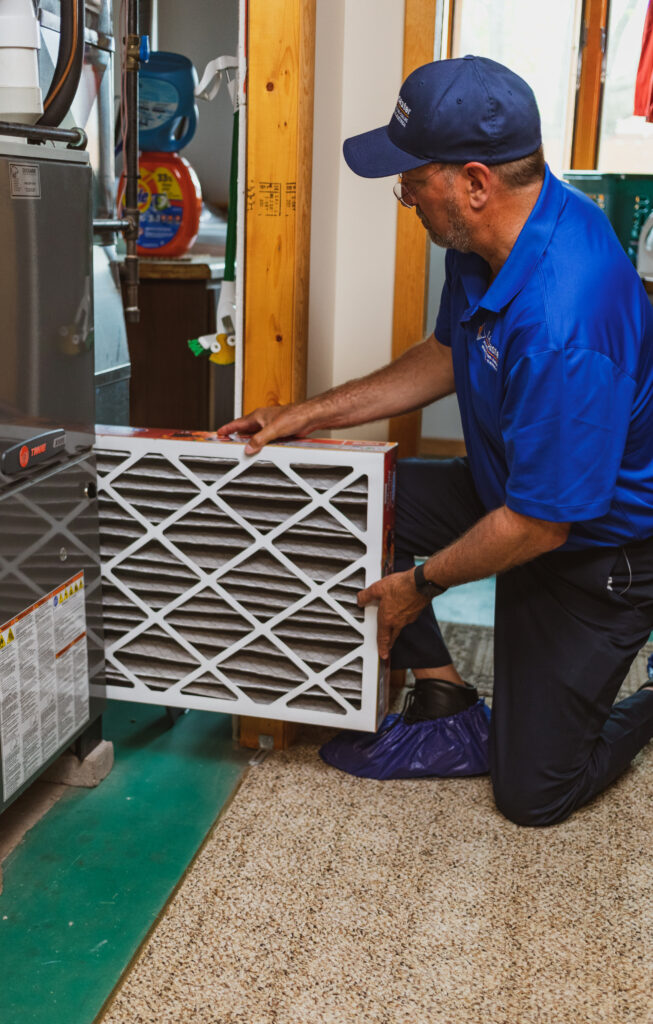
402,112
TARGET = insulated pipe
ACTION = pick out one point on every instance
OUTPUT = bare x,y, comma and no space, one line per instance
20,41
70,61
130,207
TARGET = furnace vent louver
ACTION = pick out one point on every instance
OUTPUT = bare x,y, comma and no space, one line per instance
46,529
230,582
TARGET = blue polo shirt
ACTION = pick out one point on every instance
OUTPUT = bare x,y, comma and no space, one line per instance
553,365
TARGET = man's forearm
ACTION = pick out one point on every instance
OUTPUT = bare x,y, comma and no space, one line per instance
420,376
499,541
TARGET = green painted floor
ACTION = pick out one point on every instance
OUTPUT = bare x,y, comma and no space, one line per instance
88,881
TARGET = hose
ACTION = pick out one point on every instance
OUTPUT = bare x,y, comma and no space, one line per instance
70,60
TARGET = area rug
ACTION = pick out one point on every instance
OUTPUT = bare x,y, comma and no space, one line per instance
471,648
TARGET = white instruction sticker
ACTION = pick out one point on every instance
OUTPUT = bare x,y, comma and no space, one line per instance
25,181
43,681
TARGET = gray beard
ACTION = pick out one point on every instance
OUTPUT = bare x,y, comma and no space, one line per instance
457,235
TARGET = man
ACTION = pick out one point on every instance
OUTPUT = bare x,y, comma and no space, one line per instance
546,335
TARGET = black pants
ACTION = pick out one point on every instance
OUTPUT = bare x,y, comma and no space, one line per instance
567,628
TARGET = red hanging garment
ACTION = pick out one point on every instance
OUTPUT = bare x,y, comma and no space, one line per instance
644,80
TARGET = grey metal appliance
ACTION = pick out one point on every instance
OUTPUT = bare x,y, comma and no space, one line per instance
93,110
51,643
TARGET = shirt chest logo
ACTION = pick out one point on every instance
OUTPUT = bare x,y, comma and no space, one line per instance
490,351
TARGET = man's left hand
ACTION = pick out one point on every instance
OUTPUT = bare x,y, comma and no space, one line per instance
399,603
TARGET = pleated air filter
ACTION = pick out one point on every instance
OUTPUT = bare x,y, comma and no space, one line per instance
230,581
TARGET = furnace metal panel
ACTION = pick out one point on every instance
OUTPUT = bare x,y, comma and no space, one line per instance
48,535
46,297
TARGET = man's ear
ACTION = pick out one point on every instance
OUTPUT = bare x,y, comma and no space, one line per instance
478,184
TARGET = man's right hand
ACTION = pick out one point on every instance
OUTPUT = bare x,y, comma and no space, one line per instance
268,424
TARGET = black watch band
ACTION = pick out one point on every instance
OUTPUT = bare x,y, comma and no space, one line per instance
424,586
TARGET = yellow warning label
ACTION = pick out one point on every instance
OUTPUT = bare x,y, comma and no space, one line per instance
2,641
10,635
157,187
167,183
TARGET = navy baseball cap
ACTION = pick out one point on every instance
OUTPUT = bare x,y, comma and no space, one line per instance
451,112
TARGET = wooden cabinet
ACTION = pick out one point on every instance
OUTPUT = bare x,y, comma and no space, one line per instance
170,387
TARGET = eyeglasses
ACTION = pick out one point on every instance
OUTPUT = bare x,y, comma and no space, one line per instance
406,193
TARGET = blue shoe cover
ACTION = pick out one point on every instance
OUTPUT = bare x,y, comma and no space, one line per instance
443,747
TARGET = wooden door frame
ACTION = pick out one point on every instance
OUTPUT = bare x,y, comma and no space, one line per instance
589,94
411,257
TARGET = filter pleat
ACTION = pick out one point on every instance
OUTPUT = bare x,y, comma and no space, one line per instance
209,471
321,478
209,686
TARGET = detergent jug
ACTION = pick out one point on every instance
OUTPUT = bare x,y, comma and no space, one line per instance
169,204
167,114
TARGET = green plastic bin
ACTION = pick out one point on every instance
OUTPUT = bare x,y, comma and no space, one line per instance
627,200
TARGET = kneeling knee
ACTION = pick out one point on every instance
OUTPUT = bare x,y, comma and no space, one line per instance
530,809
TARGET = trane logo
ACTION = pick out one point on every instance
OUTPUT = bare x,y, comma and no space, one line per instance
26,453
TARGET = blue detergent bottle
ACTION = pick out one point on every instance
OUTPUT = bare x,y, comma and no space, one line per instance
169,192
167,113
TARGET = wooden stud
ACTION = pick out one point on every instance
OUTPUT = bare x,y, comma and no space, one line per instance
254,732
280,77
590,89
411,264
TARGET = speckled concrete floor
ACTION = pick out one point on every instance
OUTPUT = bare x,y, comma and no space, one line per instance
324,899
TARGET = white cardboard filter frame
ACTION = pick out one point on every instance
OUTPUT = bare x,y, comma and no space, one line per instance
230,581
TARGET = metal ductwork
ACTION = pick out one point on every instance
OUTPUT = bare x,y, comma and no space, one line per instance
20,94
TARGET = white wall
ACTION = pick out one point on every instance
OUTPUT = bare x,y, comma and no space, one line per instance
199,30
358,73
441,419
202,30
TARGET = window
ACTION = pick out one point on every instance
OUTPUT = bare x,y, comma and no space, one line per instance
625,141
580,57
536,41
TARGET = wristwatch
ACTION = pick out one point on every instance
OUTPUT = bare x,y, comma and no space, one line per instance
424,586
